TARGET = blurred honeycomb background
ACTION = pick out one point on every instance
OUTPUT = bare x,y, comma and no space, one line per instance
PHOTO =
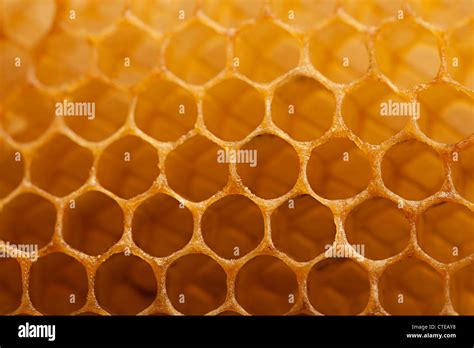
133,214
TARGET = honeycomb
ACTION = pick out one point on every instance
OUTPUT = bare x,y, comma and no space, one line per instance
343,212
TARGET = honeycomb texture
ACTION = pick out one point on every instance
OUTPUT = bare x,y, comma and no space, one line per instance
133,214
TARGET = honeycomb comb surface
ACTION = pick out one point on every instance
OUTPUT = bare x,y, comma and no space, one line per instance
131,210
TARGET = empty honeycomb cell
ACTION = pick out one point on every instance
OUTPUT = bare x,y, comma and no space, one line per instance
232,109
105,117
411,287
265,285
407,53
21,22
460,55
374,112
232,13
303,228
161,225
447,115
90,16
163,15
196,54
27,121
339,52
412,170
443,13
338,287
445,231
15,63
194,171
10,283
338,169
36,225
62,59
92,223
373,12
125,284
165,110
462,170
303,14
272,167
128,167
379,226
462,290
264,51
128,54
61,166
303,108
232,226
60,277
196,284
11,162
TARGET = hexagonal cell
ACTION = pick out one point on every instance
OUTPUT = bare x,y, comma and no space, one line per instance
15,63
338,287
128,167
232,109
91,16
196,284
13,168
460,55
194,171
21,22
61,166
128,54
303,108
329,165
407,53
272,167
447,115
462,170
374,112
27,121
232,226
462,290
125,285
92,223
265,285
443,12
302,228
63,59
10,282
411,287
161,225
339,52
372,12
28,219
109,113
412,170
60,277
379,226
163,15
444,231
196,54
303,14
265,51
170,118
231,13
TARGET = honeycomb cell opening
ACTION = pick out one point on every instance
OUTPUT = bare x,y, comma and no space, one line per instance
11,285
462,168
196,284
232,226
460,54
303,14
125,284
12,164
373,12
462,290
302,228
232,13
329,167
162,225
